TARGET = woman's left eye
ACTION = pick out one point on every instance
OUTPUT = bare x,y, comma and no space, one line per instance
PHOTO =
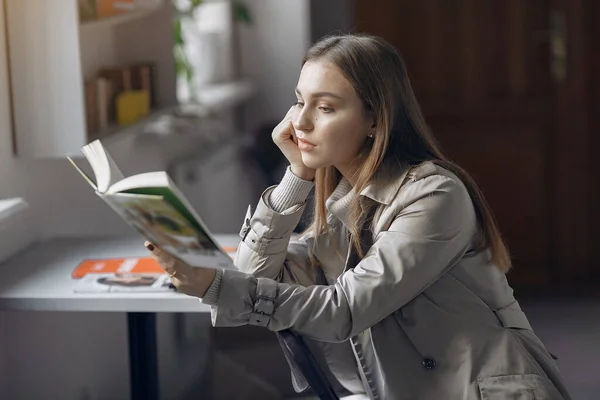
326,109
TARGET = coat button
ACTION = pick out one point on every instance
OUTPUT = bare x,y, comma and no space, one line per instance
428,363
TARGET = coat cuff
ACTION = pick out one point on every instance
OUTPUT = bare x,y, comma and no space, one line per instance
291,191
268,232
211,297
237,297
245,299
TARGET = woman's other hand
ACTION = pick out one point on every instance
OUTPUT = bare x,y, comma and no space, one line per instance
193,281
284,137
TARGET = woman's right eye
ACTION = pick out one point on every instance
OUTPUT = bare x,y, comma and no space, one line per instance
299,104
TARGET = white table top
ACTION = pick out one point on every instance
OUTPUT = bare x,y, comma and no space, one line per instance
39,278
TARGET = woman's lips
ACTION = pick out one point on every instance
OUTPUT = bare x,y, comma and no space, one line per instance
305,145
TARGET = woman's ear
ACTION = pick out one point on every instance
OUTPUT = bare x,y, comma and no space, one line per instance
373,129
372,132
373,121
372,124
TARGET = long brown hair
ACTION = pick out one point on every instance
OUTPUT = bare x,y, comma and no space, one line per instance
380,79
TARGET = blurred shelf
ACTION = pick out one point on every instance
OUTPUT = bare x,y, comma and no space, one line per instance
142,8
9,208
50,55
190,124
115,130
227,94
213,98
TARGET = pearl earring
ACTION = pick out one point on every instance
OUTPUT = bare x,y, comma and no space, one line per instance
371,136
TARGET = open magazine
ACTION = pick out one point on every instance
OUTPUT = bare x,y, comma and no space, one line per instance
125,274
153,205
130,274
111,283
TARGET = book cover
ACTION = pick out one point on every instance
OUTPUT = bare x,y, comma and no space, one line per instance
91,106
143,78
87,10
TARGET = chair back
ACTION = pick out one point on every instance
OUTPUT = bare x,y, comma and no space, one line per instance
296,350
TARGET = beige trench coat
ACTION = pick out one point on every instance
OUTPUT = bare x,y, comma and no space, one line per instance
424,315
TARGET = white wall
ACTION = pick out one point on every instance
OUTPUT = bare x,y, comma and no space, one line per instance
72,355
272,49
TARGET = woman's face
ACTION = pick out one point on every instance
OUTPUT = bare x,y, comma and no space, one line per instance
330,121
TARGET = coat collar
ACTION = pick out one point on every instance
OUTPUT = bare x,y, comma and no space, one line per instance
383,189
386,183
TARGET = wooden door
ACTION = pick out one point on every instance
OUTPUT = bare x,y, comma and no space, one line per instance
487,74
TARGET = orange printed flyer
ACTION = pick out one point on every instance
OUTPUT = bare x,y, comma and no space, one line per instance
126,265
130,265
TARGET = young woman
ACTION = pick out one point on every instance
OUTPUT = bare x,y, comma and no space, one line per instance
401,277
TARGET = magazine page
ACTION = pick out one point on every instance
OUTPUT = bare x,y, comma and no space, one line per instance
162,224
159,184
111,283
132,265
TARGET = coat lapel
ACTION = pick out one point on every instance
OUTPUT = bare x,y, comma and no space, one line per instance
366,240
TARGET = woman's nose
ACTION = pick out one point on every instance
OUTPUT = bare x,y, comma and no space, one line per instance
301,120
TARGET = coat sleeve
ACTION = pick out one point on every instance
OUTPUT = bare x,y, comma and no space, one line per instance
266,249
428,236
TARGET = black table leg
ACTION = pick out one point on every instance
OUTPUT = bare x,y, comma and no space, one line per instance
143,360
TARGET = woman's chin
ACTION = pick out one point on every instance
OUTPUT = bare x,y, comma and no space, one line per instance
312,162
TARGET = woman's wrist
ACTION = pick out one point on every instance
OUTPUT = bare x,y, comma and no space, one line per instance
291,191
206,277
307,174
211,296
